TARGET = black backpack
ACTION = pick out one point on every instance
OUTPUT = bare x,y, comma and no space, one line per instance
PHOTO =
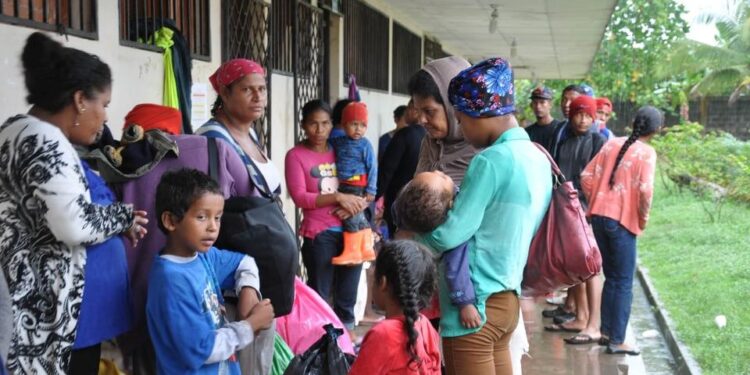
256,226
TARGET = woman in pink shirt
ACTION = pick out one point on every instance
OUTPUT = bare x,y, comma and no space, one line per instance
312,183
618,184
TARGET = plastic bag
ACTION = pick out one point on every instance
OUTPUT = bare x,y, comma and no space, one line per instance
360,306
282,356
323,358
303,326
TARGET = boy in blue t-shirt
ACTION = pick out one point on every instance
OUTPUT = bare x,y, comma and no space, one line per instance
184,307
358,175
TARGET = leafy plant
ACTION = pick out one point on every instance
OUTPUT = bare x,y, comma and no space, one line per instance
714,164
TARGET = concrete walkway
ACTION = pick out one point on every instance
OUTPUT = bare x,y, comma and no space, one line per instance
549,354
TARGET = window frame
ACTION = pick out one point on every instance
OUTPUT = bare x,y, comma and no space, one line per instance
125,15
59,27
362,20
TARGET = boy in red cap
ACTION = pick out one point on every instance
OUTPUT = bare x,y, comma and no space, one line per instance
603,114
579,143
357,173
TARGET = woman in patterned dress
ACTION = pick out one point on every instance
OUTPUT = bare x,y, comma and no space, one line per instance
46,215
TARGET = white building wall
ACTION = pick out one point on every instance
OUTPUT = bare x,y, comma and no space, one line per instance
138,75
380,106
282,129
138,78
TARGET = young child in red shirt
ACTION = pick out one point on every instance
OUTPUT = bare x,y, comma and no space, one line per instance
405,342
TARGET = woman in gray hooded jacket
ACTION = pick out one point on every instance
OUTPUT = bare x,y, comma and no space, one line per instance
444,149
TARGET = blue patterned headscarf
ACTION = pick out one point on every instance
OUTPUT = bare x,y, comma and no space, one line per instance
484,90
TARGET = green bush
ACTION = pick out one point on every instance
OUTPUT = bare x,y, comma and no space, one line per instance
688,154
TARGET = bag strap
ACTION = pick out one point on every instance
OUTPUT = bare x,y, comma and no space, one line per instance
213,159
256,175
556,172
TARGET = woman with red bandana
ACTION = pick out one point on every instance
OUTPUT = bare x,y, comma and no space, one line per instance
240,85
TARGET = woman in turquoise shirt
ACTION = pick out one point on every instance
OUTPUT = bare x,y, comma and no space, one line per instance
504,196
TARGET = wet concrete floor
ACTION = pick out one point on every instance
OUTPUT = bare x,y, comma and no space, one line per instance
549,354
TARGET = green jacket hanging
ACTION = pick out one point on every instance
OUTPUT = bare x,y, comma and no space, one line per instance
164,40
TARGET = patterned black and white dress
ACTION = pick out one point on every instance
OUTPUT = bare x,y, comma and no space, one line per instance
46,220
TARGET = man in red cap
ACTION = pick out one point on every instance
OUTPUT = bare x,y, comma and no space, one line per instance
603,114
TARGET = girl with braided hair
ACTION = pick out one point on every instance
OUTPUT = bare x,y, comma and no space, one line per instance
405,342
618,183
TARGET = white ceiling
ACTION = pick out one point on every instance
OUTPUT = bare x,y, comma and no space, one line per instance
555,38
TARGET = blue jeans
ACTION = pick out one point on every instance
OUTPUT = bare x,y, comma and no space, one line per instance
618,248
316,255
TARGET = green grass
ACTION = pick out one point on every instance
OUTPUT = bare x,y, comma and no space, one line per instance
701,269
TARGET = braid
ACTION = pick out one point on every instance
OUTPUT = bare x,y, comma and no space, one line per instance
409,269
648,120
633,137
406,290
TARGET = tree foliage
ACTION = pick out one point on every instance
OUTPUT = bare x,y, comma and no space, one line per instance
639,35
727,65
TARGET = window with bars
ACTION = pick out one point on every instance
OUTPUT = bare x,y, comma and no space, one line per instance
139,19
407,57
74,17
366,35
433,50
282,35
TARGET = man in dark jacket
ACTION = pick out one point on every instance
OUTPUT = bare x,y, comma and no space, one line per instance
399,161
543,129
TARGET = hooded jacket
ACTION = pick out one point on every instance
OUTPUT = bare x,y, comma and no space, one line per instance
452,154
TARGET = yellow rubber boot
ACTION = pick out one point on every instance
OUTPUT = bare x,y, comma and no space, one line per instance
351,254
368,245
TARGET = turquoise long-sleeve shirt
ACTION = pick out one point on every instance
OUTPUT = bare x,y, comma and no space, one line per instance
504,196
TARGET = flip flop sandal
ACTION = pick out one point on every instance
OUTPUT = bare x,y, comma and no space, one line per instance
614,350
603,341
560,328
580,340
553,313
564,318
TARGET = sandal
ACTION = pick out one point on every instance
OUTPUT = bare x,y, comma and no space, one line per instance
603,341
581,339
554,312
560,328
612,349
564,318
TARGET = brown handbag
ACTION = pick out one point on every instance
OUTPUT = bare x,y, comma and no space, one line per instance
563,252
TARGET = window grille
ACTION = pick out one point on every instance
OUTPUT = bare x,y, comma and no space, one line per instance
140,18
246,35
366,35
74,17
407,57
433,50
282,35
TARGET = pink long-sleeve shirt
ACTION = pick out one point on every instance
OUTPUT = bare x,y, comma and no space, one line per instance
309,174
629,200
